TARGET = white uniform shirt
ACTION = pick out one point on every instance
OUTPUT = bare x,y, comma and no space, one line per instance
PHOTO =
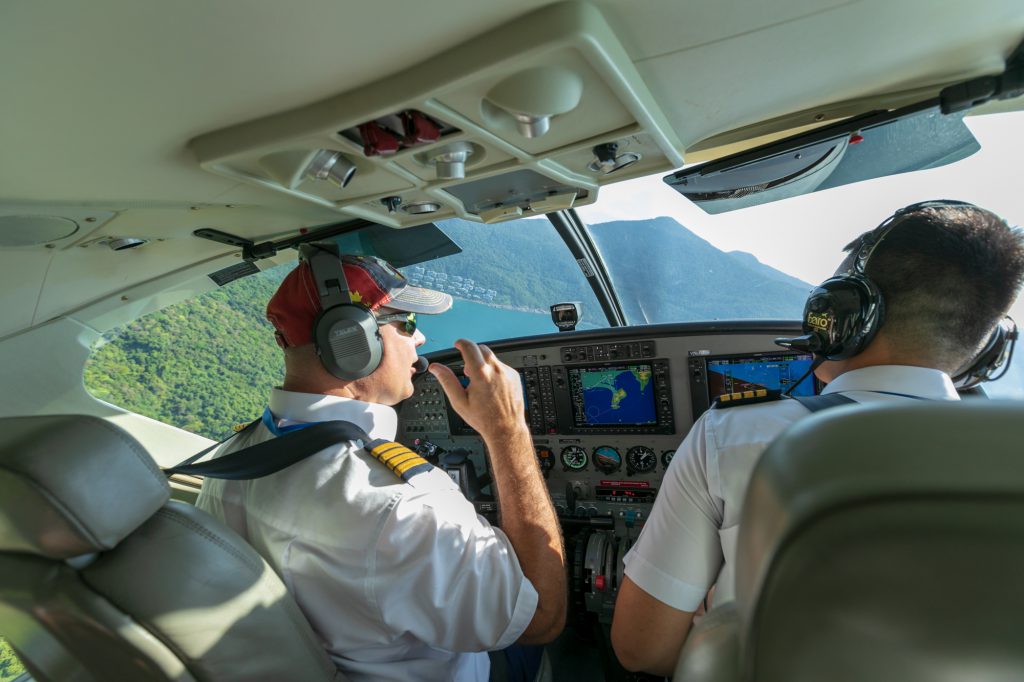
689,542
402,581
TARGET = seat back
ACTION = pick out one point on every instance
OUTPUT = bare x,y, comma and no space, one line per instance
886,543
103,577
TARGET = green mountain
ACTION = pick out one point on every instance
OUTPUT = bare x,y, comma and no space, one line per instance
207,364
203,365
689,279
662,271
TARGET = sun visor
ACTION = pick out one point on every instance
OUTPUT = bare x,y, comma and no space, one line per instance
871,146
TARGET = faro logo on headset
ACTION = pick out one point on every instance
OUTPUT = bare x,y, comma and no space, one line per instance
820,321
339,332
843,313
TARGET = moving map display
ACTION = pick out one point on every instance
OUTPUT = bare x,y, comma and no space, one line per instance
774,371
621,395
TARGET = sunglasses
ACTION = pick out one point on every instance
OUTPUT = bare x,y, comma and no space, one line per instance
409,320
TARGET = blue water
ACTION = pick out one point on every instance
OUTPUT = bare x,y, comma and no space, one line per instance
481,323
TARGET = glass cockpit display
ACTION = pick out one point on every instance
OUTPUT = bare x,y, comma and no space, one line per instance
713,376
619,395
775,372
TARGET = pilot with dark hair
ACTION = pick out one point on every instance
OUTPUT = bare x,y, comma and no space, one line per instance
397,573
913,304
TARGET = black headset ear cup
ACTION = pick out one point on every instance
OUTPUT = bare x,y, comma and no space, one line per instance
996,354
844,314
348,341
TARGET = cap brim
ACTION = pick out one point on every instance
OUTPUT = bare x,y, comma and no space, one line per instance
419,300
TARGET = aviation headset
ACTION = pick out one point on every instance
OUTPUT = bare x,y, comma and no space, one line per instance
997,353
843,313
345,333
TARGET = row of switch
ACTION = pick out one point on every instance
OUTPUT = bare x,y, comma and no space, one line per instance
608,351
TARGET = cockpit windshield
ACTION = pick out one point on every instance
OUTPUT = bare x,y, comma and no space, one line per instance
671,261
503,282
668,261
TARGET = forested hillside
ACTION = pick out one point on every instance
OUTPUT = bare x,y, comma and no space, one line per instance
208,364
665,273
203,365
10,667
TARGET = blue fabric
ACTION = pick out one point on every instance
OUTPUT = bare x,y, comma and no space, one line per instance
271,424
523,662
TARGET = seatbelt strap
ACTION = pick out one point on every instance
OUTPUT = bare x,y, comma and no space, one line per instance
176,469
273,455
816,403
269,457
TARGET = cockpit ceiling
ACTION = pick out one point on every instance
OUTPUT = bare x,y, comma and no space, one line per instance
164,117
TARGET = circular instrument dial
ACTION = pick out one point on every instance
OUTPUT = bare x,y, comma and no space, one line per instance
666,457
574,458
641,459
607,459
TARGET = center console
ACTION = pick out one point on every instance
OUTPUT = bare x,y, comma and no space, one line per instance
607,411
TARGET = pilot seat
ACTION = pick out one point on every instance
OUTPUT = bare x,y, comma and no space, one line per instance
878,543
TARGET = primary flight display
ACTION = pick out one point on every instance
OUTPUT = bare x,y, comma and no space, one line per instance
775,372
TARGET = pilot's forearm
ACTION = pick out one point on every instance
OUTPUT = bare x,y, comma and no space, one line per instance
528,519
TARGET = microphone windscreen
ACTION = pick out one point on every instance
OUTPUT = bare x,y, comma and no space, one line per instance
421,365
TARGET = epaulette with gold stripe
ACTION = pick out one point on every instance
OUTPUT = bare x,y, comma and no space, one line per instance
402,461
761,395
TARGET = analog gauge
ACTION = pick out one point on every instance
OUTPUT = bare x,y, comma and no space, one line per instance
574,458
641,460
607,459
666,457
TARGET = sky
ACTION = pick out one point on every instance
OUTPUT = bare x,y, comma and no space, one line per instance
804,236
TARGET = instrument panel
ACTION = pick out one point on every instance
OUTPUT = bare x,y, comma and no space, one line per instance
607,410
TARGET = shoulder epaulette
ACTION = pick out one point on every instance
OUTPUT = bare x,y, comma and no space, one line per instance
402,461
761,395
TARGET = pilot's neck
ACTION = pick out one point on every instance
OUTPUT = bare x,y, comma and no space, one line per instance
878,352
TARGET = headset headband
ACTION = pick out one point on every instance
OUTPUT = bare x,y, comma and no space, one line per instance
843,313
872,239
328,273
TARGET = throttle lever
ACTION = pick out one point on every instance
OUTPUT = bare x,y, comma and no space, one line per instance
461,469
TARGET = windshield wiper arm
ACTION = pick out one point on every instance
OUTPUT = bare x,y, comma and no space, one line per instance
575,235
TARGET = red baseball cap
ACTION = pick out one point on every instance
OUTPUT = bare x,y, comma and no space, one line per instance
372,282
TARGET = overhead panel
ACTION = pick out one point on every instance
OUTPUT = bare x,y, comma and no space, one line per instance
548,107
743,69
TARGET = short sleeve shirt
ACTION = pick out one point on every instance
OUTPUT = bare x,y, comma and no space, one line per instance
689,542
402,581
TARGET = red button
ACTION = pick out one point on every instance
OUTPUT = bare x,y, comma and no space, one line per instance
599,583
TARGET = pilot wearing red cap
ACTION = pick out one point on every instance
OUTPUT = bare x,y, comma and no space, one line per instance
399,576
377,286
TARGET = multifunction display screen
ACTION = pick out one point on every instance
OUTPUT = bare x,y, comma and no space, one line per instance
613,395
773,371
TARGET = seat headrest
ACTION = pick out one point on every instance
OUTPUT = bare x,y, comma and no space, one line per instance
882,538
71,485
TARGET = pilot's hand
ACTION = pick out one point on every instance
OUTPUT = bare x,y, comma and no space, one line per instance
492,404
